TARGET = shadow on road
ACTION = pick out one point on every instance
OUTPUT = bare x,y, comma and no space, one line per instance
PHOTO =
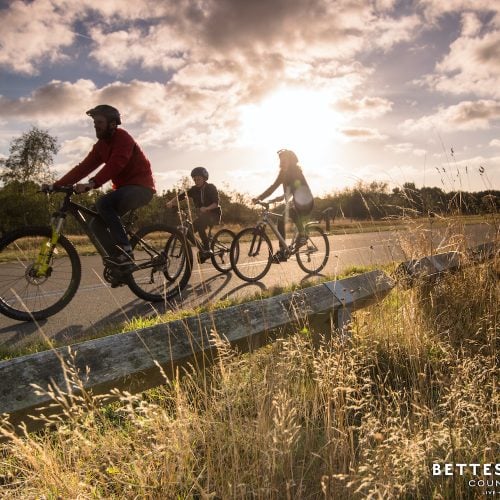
64,329
206,291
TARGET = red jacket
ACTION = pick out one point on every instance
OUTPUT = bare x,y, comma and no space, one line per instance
125,163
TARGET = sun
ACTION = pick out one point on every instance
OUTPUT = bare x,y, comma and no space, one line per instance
299,119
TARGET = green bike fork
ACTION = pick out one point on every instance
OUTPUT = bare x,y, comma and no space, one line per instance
44,258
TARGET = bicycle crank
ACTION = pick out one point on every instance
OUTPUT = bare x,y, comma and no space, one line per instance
114,277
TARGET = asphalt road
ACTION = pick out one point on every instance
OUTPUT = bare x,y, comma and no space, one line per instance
96,305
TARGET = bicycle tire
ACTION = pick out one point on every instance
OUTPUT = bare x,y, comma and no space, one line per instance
21,294
259,248
159,283
175,250
221,248
313,256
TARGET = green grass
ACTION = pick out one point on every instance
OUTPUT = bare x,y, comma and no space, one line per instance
347,226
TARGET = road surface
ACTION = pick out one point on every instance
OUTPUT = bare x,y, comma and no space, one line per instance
97,306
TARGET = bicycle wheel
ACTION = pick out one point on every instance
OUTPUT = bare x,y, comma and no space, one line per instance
313,256
164,263
251,254
27,292
221,248
176,254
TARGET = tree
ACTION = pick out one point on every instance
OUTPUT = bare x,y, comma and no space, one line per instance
30,157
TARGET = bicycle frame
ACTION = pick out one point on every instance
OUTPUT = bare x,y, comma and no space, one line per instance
78,212
186,228
266,220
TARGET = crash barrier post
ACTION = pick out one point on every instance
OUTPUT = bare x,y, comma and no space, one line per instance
328,217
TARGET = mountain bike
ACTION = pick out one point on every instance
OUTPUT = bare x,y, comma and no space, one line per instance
252,252
219,243
40,269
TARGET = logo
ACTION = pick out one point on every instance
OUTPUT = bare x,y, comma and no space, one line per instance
485,476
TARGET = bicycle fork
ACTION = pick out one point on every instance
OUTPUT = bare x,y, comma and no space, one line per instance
48,249
256,242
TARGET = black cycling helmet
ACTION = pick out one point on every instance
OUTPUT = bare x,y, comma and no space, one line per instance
201,171
290,155
109,112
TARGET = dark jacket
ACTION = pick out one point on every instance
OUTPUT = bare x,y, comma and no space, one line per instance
294,184
204,197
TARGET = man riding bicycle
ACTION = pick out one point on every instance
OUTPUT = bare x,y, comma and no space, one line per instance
295,188
206,199
126,166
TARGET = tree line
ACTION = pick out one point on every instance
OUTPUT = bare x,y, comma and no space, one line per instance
32,154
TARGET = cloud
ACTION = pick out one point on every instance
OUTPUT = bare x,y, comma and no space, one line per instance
405,148
157,47
76,147
32,34
435,9
486,169
362,134
370,107
472,65
55,103
45,30
389,31
72,151
471,24
168,35
495,143
467,115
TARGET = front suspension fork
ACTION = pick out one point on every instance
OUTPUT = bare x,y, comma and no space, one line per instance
48,249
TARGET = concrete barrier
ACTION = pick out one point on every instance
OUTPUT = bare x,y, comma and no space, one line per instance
130,360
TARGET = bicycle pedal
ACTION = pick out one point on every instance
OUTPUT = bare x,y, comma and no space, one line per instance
203,256
117,284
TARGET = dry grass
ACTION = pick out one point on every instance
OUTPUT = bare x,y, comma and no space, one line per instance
361,418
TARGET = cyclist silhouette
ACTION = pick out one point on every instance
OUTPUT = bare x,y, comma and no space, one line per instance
296,190
206,199
126,166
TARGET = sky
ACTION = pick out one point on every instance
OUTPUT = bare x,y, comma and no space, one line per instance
381,90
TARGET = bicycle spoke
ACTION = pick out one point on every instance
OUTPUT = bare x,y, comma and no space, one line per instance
165,263
221,247
251,255
25,293
313,256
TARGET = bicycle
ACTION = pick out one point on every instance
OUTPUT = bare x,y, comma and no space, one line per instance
219,243
252,252
40,269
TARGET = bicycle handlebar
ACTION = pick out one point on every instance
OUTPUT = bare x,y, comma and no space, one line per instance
184,216
264,204
51,188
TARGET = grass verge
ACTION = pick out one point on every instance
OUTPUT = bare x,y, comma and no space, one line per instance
416,384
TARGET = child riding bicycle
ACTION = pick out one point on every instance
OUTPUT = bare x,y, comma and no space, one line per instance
295,189
206,199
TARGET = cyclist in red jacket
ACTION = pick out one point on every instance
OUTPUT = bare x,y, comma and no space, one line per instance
125,165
